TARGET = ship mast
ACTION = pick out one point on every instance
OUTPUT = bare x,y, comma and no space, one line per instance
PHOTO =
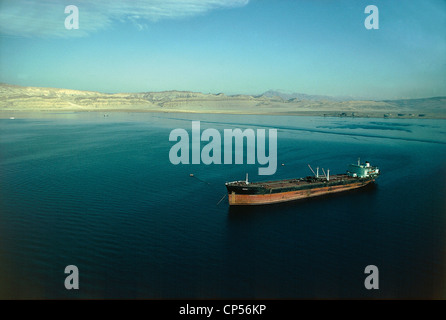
312,170
316,174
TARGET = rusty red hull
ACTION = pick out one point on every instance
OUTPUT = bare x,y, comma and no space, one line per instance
247,197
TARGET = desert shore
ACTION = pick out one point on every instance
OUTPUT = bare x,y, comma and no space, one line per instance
17,101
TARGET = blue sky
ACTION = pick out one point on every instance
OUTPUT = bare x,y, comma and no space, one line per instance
230,46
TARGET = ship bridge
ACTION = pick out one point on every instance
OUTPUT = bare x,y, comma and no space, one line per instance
362,170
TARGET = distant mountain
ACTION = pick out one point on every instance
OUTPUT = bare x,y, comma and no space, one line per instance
428,105
302,96
15,98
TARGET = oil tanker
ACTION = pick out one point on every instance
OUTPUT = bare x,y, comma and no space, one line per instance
259,193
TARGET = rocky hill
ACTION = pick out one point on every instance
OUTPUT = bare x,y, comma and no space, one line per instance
18,98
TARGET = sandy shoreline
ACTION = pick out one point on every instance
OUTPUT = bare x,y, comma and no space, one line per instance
23,114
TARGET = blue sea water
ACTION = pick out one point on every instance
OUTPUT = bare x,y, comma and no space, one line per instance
99,192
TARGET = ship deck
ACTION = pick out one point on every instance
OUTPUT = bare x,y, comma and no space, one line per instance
280,184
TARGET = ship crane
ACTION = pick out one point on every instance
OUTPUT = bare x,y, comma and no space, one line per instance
312,170
326,175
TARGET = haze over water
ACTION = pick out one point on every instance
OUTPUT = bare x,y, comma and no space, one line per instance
99,192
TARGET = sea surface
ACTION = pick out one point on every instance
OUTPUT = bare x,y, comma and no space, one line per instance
98,191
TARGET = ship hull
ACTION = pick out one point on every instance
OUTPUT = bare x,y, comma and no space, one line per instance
262,198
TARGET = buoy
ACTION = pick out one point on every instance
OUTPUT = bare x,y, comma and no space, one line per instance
191,174
283,164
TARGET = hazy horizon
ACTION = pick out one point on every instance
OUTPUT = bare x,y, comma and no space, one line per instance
231,47
279,91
